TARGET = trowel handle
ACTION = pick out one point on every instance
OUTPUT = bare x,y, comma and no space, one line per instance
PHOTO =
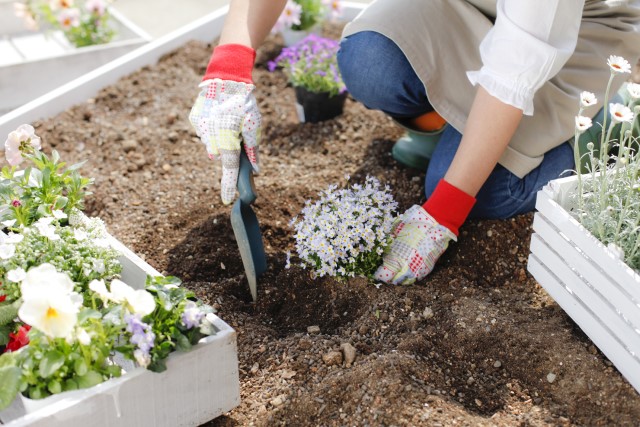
246,187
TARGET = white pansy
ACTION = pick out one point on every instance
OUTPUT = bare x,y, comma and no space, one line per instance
16,275
54,314
45,279
139,301
100,288
13,238
83,336
7,250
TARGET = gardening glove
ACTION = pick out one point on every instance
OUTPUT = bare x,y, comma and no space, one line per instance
226,113
422,235
418,242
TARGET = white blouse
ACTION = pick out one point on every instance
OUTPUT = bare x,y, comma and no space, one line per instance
528,45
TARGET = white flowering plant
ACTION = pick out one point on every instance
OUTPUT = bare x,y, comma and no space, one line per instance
608,196
43,189
301,15
65,315
344,233
82,252
83,23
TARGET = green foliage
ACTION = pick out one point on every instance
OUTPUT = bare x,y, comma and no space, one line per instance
41,188
170,332
88,28
312,13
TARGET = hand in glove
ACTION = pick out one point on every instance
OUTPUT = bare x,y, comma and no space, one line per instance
418,242
225,113
420,239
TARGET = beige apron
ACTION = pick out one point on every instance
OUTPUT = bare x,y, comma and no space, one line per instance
441,40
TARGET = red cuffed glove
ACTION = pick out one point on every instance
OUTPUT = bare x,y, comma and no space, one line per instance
226,113
423,234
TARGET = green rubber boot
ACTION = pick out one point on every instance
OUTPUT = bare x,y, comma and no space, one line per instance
414,148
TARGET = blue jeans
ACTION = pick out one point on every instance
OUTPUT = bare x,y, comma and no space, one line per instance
377,73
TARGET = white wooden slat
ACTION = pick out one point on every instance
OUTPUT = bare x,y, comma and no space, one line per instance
590,273
8,53
562,220
588,321
619,329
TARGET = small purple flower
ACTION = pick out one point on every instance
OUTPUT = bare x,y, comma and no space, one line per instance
191,316
141,336
16,203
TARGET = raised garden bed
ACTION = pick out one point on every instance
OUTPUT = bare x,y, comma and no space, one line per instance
192,390
34,63
599,292
474,344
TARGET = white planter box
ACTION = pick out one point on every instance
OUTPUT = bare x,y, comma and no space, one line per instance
197,386
34,63
600,292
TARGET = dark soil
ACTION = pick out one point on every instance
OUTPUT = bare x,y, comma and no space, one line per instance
473,344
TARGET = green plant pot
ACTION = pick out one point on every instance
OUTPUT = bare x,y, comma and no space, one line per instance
315,107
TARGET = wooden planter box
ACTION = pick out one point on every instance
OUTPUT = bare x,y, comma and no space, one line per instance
599,291
197,386
34,63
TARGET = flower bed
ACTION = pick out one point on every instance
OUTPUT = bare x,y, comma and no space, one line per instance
24,54
597,289
71,330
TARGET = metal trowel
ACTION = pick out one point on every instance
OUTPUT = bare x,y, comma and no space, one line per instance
246,228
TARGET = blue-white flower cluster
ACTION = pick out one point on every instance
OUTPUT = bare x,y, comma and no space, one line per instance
345,232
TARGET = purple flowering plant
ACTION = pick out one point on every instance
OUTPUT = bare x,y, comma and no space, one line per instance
312,64
345,232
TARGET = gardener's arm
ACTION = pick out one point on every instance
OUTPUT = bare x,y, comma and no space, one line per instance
225,113
490,127
527,46
250,21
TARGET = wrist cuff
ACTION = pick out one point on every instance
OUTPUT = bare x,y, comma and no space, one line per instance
449,205
231,62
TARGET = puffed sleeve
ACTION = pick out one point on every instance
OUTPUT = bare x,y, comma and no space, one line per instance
529,43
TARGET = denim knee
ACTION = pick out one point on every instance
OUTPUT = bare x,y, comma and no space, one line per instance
377,73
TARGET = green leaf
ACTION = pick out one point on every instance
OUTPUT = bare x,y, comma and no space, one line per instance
76,166
8,312
80,366
5,330
50,363
90,379
183,343
10,380
54,387
88,314
61,202
70,385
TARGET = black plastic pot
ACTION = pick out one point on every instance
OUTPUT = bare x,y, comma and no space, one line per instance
317,107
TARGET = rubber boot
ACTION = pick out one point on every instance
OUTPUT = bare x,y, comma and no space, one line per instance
415,147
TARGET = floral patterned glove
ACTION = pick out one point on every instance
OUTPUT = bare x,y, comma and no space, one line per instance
418,242
226,113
